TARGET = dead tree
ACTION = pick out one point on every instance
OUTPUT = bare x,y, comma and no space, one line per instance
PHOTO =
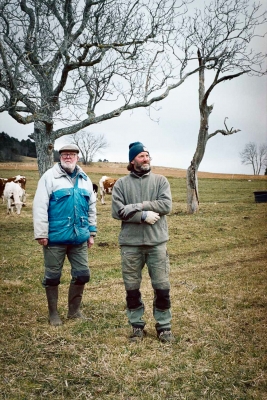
89,144
254,155
222,38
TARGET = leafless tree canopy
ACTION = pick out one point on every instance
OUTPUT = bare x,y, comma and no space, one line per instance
80,62
89,144
60,59
222,32
254,155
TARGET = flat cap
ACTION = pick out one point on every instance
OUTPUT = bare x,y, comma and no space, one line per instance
69,147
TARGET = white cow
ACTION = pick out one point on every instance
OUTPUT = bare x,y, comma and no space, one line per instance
18,179
14,195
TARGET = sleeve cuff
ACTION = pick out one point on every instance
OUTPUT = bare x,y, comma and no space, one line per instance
144,215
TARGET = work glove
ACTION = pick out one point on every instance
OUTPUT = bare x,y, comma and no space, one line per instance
151,217
129,210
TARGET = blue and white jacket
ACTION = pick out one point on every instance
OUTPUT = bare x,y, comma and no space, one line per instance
64,212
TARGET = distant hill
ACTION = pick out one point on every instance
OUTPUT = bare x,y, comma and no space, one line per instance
114,169
11,149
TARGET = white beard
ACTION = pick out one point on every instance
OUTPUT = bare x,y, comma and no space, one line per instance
68,167
145,167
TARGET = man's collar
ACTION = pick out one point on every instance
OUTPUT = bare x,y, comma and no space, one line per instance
140,173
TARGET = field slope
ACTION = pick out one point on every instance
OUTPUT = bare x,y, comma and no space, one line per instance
219,304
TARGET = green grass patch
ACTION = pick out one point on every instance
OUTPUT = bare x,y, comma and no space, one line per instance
219,305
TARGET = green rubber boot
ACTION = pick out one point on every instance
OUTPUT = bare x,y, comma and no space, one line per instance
52,298
75,298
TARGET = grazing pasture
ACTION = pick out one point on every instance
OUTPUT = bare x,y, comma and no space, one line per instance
219,304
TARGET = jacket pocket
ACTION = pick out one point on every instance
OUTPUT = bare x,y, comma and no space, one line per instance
61,231
60,194
84,222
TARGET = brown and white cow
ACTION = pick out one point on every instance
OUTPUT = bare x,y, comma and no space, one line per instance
18,179
3,182
95,189
14,195
105,185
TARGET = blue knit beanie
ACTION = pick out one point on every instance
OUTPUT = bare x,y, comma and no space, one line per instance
136,148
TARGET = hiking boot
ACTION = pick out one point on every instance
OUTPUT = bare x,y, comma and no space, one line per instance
137,335
166,336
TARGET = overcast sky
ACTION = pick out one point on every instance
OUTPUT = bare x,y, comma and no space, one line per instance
172,140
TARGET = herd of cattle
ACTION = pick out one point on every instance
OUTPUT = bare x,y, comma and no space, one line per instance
13,191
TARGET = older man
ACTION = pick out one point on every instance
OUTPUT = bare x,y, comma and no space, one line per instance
64,215
141,201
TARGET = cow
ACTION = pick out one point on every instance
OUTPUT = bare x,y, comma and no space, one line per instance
95,189
3,182
106,185
20,179
14,195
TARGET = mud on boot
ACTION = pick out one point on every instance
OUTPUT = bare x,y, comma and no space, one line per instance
165,336
137,335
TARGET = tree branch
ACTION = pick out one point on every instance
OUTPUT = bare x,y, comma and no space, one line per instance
225,132
117,112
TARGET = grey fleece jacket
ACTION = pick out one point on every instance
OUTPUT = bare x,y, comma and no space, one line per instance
151,192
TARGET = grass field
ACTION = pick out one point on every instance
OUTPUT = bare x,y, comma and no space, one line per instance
219,304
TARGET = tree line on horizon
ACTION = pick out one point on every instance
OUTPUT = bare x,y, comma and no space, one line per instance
12,149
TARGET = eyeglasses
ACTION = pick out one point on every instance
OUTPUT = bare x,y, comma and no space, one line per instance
70,155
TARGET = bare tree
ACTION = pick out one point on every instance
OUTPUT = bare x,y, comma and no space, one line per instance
89,144
222,38
60,60
265,164
255,156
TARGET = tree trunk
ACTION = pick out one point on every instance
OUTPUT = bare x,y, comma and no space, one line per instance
203,134
192,189
191,177
44,143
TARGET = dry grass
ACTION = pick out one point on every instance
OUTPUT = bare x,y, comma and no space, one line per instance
103,168
219,299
